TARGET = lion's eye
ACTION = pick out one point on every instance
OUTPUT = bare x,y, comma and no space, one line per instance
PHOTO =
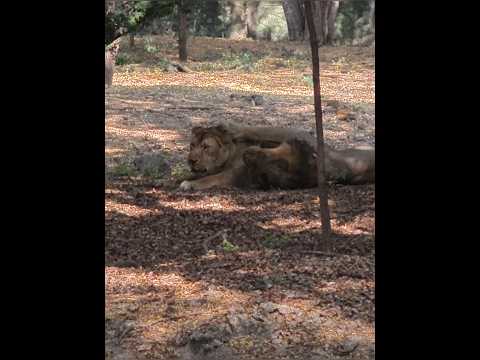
205,146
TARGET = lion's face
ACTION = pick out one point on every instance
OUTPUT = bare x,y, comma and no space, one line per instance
210,149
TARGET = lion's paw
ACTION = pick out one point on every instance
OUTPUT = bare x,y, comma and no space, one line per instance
186,185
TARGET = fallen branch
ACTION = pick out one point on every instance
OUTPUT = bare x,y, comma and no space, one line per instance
320,253
183,108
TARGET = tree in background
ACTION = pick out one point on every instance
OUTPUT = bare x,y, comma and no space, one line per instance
129,16
243,18
237,28
295,18
111,52
356,22
182,9
324,14
336,21
251,18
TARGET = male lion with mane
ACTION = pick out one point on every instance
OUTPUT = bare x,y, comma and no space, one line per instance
230,155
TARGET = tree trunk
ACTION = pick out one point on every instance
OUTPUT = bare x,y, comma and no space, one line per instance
182,31
238,26
372,14
131,40
110,6
321,23
325,244
295,19
212,10
322,10
251,14
331,17
111,53
317,16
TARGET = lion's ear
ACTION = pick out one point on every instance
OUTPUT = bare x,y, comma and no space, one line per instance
198,130
222,129
222,132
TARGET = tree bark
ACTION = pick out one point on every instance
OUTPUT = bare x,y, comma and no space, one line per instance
212,9
372,14
182,31
251,15
131,40
295,19
331,17
111,53
325,244
238,26
324,14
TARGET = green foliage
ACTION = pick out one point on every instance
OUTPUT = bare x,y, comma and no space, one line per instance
206,18
348,14
123,169
163,64
129,16
271,23
273,241
308,80
246,60
153,173
227,246
149,46
180,172
123,59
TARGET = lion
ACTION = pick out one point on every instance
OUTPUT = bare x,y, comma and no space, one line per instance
229,155
293,165
215,159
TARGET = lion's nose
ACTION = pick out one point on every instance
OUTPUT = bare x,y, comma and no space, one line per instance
192,162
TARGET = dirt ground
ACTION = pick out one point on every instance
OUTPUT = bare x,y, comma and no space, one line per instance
230,273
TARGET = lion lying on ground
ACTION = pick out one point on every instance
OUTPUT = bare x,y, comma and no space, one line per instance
229,155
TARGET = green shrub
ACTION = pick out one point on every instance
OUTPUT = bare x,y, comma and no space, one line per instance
123,59
273,241
123,169
227,246
149,46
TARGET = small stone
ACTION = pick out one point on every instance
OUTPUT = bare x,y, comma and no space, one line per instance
263,284
145,347
257,100
134,307
348,345
284,310
269,307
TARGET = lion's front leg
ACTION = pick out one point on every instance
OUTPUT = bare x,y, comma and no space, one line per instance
223,179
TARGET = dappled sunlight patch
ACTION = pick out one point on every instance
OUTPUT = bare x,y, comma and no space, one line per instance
276,82
126,209
290,224
216,204
112,151
164,302
151,134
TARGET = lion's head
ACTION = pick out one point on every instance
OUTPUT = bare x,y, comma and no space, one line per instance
210,149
